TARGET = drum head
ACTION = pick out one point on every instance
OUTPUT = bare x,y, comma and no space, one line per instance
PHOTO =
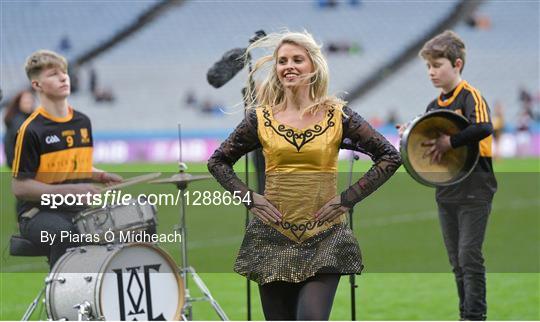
455,165
117,282
141,282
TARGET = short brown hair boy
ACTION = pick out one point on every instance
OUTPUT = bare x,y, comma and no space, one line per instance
445,45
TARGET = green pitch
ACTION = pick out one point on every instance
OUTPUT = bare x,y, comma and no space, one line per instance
407,272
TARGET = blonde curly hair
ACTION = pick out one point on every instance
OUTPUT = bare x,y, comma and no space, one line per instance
271,92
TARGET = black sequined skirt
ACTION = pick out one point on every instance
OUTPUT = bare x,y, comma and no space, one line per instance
266,255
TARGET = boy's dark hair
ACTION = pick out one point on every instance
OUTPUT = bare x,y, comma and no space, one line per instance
445,45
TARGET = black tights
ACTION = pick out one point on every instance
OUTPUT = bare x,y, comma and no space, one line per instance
308,300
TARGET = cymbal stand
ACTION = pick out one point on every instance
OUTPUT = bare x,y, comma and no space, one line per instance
32,307
185,269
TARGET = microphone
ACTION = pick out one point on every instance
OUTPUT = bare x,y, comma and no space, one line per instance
227,67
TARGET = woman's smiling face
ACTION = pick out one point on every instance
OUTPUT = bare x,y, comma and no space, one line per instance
293,65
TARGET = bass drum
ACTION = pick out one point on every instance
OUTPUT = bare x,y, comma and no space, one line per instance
455,165
115,282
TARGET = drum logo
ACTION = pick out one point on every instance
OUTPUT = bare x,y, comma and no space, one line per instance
135,289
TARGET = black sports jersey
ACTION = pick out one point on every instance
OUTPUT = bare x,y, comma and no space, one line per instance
53,150
467,101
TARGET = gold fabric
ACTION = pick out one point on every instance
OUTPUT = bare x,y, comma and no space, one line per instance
301,171
267,255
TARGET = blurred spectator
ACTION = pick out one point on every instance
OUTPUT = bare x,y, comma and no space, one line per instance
476,21
392,118
206,106
92,80
73,73
100,94
64,45
335,3
527,104
523,134
16,113
498,126
328,3
525,97
376,121
343,47
190,99
104,95
210,107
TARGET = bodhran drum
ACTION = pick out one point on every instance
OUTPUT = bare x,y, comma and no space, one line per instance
115,282
456,164
132,216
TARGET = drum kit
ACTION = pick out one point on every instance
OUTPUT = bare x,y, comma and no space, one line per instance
455,165
124,281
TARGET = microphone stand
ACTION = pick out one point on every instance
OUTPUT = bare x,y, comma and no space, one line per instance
258,34
352,277
246,104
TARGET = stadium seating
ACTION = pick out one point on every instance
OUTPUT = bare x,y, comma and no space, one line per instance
151,72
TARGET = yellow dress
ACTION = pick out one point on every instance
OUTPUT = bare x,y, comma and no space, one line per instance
301,171
301,176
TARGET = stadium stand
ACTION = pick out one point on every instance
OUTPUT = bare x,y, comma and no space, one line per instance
500,60
151,73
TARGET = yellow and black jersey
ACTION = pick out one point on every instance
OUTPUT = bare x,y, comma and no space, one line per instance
467,101
54,150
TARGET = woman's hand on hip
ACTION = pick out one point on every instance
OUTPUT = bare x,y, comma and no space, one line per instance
263,209
331,210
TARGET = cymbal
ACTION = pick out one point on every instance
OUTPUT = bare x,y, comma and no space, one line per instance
131,181
182,178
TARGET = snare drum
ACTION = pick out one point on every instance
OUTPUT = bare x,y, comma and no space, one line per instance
456,164
129,217
115,282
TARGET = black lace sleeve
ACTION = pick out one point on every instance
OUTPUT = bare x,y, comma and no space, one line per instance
359,136
241,141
